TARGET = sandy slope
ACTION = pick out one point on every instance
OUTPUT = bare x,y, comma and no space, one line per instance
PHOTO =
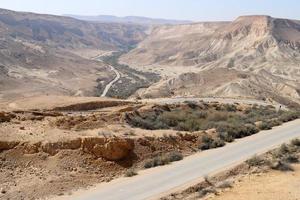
271,186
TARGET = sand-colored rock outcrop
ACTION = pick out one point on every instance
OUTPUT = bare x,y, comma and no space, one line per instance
115,149
112,149
52,148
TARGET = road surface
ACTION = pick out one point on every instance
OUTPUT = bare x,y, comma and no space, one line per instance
109,85
153,183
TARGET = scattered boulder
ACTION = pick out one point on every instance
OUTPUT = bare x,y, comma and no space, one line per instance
115,149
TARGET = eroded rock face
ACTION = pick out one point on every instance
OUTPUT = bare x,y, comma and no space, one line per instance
114,149
53,148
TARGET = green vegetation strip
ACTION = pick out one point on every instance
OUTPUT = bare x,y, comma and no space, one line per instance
229,121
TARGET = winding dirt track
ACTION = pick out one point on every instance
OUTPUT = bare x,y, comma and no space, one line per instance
109,85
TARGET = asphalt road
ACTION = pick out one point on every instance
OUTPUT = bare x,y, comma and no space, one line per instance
151,184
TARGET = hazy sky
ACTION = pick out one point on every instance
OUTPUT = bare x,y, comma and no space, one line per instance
198,10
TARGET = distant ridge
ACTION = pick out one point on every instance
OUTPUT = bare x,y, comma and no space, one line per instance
129,19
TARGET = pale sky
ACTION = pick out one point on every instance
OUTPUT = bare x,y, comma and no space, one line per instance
197,10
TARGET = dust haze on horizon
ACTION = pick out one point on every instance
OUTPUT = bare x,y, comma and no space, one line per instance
213,10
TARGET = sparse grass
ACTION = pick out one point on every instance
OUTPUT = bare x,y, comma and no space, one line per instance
163,159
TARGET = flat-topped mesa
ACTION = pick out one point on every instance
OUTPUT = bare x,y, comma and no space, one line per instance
257,25
260,26
252,18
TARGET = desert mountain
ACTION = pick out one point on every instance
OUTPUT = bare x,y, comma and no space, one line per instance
37,53
65,32
268,49
129,20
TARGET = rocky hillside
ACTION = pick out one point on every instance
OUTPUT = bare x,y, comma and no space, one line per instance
264,47
39,53
65,32
249,42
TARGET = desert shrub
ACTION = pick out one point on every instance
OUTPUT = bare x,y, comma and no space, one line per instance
246,130
290,158
163,159
264,126
131,173
236,130
224,184
201,114
281,152
255,161
218,142
210,143
289,116
147,123
175,156
191,104
149,163
206,142
296,142
190,124
205,191
282,166
274,122
230,108
218,116
229,123
225,136
172,118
